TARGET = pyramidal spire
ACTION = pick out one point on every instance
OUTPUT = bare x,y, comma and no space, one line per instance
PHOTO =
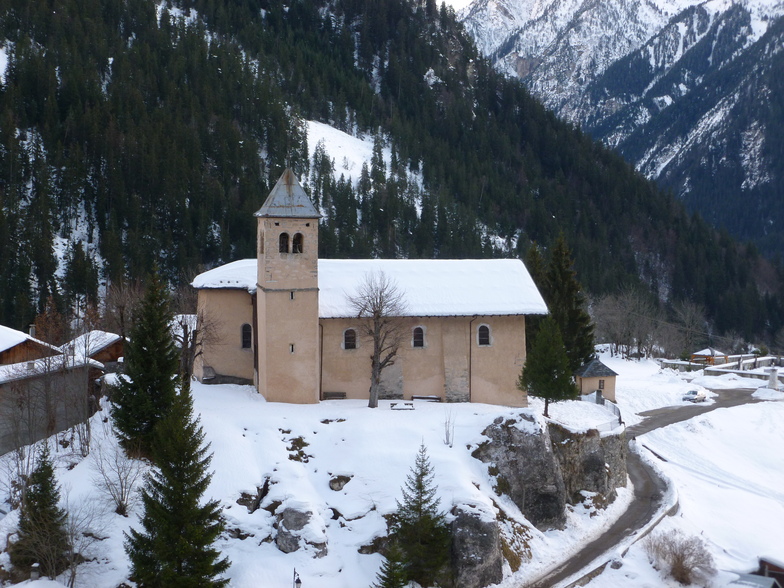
288,199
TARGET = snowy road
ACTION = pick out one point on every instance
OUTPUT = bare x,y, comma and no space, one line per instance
649,488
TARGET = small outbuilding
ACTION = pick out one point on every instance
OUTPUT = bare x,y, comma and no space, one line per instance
709,356
595,376
770,567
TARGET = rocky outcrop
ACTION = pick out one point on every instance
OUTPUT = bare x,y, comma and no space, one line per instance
542,470
291,525
477,559
521,459
589,461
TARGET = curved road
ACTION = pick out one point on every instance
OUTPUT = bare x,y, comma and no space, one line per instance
648,487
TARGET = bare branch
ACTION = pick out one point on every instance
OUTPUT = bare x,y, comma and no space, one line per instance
380,305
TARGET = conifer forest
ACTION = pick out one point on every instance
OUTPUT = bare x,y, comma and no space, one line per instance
136,134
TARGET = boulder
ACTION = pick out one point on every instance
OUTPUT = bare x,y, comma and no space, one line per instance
521,459
477,559
291,523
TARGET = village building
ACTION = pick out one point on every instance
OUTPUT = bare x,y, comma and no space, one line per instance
43,390
16,347
284,323
709,356
594,376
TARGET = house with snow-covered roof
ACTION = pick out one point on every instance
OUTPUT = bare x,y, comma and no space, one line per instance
285,324
43,389
16,346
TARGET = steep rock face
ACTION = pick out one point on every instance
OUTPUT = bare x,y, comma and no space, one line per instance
477,559
521,458
589,462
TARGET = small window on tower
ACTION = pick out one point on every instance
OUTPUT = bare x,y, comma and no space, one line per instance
601,384
247,336
283,243
296,244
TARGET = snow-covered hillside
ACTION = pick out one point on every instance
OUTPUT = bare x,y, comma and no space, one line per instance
299,449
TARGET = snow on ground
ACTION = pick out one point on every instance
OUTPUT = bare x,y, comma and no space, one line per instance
299,448
642,385
348,153
728,470
3,63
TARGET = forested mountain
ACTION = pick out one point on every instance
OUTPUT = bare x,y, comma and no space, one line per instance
687,90
142,133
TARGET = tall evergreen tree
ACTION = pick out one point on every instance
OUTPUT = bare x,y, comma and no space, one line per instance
147,392
175,549
564,296
419,528
547,373
42,533
535,263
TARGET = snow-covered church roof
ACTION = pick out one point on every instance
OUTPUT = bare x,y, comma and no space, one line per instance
431,287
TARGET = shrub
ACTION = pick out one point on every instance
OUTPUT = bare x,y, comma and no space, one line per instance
685,559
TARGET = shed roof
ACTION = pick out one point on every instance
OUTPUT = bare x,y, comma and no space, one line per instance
753,581
431,287
288,199
594,369
709,352
40,367
90,343
11,338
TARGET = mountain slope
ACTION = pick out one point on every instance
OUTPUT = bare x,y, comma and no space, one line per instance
681,88
156,144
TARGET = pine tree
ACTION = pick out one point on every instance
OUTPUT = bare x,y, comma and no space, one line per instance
534,263
419,528
151,362
564,297
393,571
42,533
546,373
175,548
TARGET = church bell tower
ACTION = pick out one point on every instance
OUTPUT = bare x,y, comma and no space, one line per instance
287,295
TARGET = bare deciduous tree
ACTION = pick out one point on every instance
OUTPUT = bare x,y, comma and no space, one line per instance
117,475
380,306
693,324
84,528
121,298
192,329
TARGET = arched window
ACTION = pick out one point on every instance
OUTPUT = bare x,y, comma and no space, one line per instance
349,339
296,244
247,336
283,243
483,335
419,337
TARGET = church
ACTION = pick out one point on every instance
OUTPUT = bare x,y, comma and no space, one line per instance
284,323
